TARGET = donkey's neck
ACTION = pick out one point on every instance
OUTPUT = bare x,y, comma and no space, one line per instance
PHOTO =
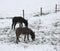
31,33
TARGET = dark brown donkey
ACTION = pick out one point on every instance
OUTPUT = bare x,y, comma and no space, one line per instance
26,32
20,20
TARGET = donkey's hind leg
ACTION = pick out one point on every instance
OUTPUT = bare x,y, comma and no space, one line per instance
14,25
17,39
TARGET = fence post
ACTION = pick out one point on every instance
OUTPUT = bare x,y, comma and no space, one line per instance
41,11
21,25
55,8
23,13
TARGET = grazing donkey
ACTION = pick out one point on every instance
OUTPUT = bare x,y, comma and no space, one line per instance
26,32
20,20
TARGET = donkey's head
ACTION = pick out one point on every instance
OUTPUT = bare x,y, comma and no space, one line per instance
33,36
26,23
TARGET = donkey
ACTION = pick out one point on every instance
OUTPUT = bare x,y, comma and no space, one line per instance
20,20
26,32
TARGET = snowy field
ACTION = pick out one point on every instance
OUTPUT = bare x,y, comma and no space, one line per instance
46,27
47,32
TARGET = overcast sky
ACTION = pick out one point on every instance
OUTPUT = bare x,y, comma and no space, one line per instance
9,6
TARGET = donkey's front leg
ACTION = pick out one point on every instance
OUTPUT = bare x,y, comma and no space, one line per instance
20,25
28,37
24,37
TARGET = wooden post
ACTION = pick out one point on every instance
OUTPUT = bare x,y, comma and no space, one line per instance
41,11
56,8
23,13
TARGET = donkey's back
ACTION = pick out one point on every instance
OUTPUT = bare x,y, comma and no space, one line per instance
17,19
23,30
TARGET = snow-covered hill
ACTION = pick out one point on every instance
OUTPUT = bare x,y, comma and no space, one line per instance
47,32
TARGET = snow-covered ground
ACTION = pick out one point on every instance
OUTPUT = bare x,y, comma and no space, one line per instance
46,27
47,32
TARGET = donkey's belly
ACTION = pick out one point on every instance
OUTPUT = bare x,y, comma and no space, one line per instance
25,33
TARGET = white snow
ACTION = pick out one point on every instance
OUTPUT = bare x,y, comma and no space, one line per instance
5,47
47,35
46,27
